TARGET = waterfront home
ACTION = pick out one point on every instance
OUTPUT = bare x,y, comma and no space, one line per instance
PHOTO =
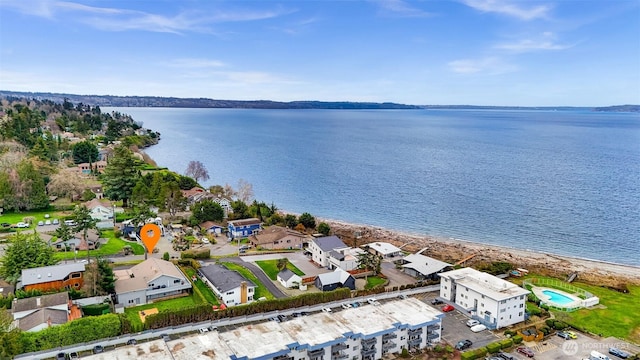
320,248
383,249
278,237
423,267
102,211
345,259
149,280
494,302
230,286
243,228
212,227
87,168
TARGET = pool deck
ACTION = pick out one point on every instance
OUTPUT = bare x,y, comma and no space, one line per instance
576,303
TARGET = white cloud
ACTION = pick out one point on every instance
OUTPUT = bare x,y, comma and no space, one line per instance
510,8
485,66
400,8
188,63
545,42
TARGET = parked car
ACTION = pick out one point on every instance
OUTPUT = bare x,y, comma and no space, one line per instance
205,241
73,355
472,322
346,305
525,351
505,356
402,296
617,352
132,342
463,344
447,308
355,304
70,223
5,225
203,330
22,225
326,309
47,222
372,301
304,313
282,318
572,334
61,356
478,328
56,221
98,349
437,302
40,223
564,335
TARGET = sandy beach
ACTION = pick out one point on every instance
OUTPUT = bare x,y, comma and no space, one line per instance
455,250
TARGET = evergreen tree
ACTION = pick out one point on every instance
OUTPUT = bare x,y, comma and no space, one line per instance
120,175
25,251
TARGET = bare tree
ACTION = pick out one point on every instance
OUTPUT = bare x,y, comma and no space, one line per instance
245,191
65,184
196,170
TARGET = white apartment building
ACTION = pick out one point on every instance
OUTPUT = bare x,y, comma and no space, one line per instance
494,302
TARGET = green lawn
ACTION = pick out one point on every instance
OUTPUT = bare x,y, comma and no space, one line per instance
206,291
270,267
14,218
132,312
374,281
617,315
113,246
261,290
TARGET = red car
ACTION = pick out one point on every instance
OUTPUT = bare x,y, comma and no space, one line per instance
447,308
525,351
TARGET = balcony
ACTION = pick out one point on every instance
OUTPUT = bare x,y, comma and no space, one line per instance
283,357
338,347
433,327
339,356
368,351
388,345
369,342
432,336
316,353
417,331
389,336
414,341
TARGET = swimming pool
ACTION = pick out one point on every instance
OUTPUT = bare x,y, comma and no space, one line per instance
557,298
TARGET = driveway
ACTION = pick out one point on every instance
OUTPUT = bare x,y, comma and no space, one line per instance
298,259
395,276
255,270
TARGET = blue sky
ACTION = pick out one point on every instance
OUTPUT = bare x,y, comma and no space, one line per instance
481,52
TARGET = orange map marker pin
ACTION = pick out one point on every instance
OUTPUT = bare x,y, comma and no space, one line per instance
150,234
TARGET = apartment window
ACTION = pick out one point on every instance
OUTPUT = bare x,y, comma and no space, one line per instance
481,304
503,302
503,310
483,296
509,317
356,348
230,293
176,281
521,306
520,313
402,337
75,275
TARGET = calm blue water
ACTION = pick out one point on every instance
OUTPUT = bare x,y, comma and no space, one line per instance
557,298
560,182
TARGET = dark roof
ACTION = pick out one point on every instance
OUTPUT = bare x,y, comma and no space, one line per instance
338,255
42,316
222,278
286,274
38,302
329,243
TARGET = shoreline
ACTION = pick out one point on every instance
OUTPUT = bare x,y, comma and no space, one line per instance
452,250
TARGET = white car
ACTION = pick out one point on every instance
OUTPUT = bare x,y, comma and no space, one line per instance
205,241
346,306
372,301
47,222
203,330
478,328
472,322
22,225
326,309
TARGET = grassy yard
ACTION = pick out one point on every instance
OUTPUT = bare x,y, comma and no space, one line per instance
113,246
178,303
206,291
270,267
14,218
617,315
261,290
374,281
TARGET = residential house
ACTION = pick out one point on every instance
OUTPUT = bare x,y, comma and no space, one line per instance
103,211
196,194
150,280
40,312
346,259
335,279
423,267
243,228
289,279
55,277
230,286
212,228
383,249
320,248
87,168
278,237
494,302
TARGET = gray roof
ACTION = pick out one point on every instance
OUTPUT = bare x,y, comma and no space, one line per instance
222,278
338,276
329,243
49,273
286,274
39,302
43,316
338,255
424,264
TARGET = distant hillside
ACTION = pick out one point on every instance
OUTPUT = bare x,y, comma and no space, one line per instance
154,101
619,108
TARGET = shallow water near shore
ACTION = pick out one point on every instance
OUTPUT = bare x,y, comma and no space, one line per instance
563,182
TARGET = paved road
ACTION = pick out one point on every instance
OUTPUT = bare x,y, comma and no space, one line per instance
255,270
